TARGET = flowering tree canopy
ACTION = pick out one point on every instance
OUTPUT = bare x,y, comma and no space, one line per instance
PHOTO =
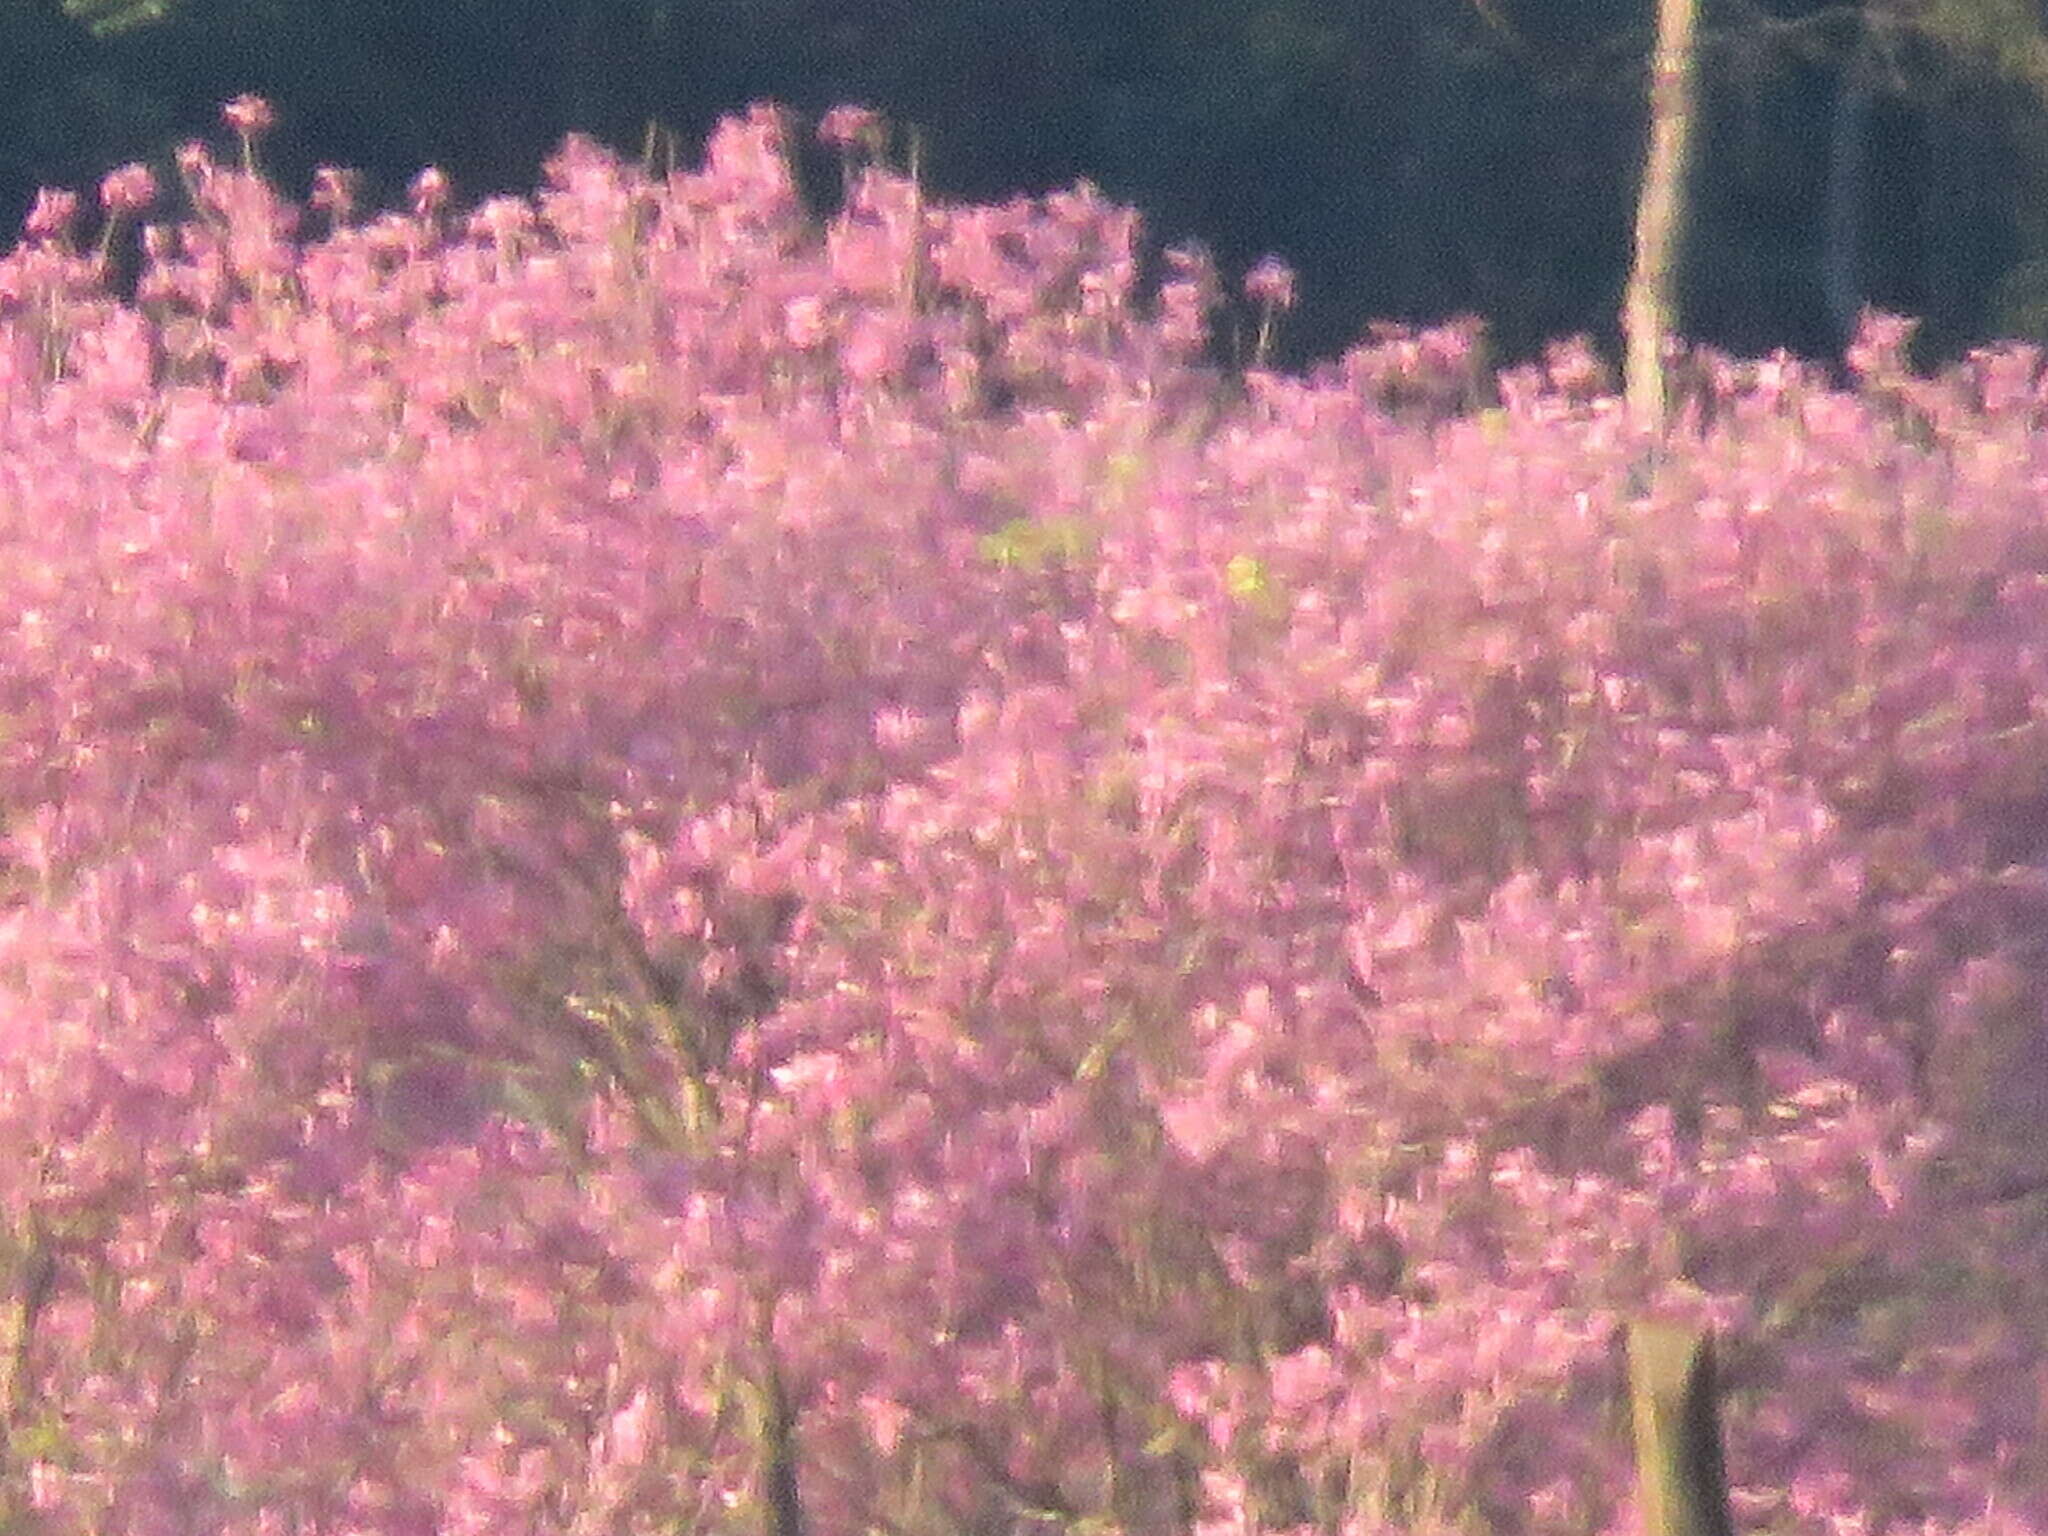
670,868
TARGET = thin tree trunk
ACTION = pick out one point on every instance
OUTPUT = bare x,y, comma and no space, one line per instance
1683,1483
1660,209
1841,282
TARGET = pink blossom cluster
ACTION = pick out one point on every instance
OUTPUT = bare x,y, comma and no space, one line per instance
671,867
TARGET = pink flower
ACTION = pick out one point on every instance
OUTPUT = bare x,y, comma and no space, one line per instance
502,219
250,116
848,127
429,191
51,214
1879,352
886,1420
1271,283
624,1443
334,190
805,322
196,167
128,190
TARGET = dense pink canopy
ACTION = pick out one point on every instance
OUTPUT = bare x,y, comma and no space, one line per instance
669,865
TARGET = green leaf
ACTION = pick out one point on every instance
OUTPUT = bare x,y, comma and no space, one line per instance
1252,586
1245,575
1030,543
1097,1060
111,18
1167,1441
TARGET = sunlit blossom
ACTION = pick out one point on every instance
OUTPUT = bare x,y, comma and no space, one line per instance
250,116
128,190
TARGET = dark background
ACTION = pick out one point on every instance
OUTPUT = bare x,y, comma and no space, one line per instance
1413,159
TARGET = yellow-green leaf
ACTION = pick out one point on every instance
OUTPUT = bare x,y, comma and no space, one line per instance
1245,575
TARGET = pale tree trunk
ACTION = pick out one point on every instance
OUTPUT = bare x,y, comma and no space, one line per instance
1660,209
1682,1481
